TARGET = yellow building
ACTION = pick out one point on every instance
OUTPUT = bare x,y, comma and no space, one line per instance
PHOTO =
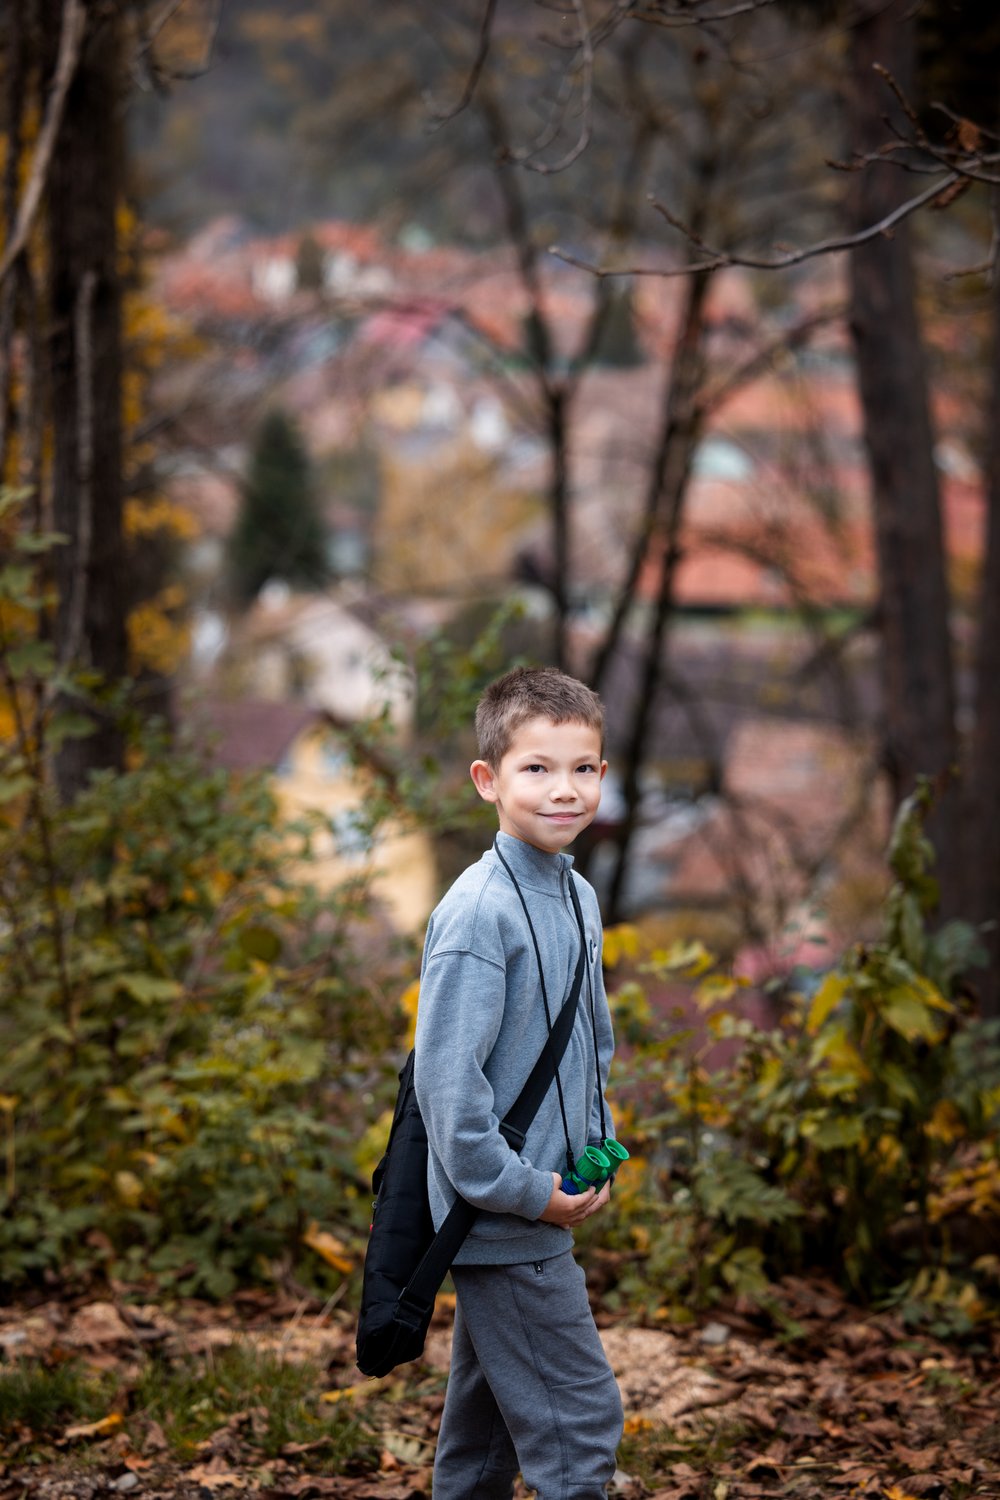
307,755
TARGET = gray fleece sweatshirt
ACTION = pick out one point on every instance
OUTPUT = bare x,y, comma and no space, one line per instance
481,1026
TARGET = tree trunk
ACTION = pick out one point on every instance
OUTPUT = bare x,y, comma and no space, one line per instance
668,483
984,758
917,676
85,376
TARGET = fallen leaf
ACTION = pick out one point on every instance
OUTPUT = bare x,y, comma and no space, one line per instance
332,1250
135,1461
343,1393
405,1448
101,1428
98,1323
154,1439
216,1476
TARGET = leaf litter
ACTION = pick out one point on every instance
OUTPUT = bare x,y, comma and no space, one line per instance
814,1398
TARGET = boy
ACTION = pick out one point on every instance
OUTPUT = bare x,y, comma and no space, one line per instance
530,1388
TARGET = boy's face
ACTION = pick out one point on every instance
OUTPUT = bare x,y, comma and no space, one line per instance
547,787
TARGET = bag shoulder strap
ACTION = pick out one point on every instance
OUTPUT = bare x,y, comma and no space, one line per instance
419,1293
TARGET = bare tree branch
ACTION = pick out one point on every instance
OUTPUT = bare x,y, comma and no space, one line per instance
716,260
962,123
586,48
476,71
672,19
718,394
70,45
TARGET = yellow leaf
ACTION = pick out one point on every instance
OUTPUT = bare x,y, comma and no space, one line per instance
621,941
129,1189
694,957
102,1428
889,1151
640,1237
945,1124
838,1052
408,1000
343,1393
770,1076
8,1103
896,1492
714,990
332,1250
826,999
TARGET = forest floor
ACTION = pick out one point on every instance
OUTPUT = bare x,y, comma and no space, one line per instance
262,1398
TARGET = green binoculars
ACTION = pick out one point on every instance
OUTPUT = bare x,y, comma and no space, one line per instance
595,1166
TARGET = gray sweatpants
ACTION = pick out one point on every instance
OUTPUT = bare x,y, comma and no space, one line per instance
530,1387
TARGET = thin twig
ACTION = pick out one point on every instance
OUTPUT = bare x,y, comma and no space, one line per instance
960,120
671,20
476,71
760,360
583,140
85,451
716,260
70,46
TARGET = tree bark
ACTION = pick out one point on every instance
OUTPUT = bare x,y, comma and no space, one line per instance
85,376
668,483
983,803
917,674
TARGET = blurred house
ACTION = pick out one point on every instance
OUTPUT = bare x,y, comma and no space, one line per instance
317,650
306,754
758,783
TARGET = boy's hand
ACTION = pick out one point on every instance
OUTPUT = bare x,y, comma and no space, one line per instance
568,1209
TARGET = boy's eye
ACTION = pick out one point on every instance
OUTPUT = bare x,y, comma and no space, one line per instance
586,767
534,767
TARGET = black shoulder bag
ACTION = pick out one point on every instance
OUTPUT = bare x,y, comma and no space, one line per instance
406,1261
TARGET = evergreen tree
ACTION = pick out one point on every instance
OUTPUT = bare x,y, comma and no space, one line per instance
618,347
309,264
279,532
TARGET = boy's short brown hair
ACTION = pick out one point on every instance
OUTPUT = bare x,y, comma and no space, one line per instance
532,693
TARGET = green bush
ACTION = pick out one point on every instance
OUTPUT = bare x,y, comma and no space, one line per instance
857,1135
172,1013
182,1027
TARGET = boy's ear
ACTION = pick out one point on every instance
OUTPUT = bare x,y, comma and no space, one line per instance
484,780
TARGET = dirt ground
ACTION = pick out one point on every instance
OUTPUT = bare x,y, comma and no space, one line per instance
822,1400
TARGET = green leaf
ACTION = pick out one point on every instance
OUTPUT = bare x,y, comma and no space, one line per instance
148,988
900,1084
906,1010
34,658
12,787
261,943
836,1133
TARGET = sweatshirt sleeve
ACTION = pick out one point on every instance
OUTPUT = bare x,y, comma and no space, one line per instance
458,1019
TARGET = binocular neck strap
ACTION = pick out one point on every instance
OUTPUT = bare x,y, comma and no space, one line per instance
545,995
